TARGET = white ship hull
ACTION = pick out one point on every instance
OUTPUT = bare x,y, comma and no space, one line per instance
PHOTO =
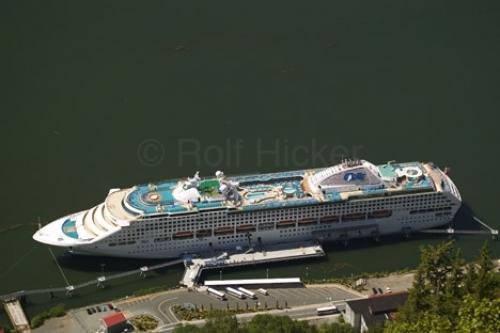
205,232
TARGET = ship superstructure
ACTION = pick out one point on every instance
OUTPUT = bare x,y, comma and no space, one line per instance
195,215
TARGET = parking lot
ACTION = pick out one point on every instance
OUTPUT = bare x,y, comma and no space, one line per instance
160,305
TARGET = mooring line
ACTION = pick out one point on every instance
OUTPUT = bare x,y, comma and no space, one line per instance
58,266
18,261
482,223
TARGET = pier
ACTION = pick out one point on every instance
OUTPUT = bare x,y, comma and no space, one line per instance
194,267
16,315
292,252
69,289
487,230
15,311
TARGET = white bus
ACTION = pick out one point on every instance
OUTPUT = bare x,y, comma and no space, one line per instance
218,294
327,310
235,293
248,293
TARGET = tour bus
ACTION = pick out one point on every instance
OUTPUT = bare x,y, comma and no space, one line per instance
218,294
235,293
248,293
327,310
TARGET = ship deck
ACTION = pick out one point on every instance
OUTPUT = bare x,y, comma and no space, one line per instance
259,191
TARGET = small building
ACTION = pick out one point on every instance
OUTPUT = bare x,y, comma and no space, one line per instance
115,323
367,312
256,283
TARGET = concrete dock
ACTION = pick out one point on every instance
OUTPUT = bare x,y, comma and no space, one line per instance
195,266
17,316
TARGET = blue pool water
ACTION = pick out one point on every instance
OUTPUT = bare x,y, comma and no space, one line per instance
69,228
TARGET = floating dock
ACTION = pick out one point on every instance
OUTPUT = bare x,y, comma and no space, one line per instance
195,266
17,316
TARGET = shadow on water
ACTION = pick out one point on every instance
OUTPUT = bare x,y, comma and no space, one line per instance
464,220
96,264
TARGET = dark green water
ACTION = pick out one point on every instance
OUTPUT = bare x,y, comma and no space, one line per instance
84,84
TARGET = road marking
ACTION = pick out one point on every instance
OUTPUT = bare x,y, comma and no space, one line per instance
316,293
285,293
170,310
172,313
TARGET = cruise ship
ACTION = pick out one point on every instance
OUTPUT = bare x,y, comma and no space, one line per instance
197,215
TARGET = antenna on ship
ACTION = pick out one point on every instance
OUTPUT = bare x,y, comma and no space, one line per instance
193,182
228,188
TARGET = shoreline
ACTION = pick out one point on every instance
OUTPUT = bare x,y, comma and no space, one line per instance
373,284
71,321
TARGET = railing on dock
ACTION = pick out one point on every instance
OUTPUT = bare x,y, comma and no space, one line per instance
97,282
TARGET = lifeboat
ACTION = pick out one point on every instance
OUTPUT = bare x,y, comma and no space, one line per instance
182,235
380,214
245,228
203,233
223,231
329,219
307,221
285,224
353,217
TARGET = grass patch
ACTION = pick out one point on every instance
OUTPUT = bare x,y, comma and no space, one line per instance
144,323
202,312
55,311
152,290
350,281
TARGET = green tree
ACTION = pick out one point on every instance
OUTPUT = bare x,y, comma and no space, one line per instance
453,288
427,322
479,315
417,299
437,287
486,285
277,324
377,328
336,328
187,328
220,322
444,295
